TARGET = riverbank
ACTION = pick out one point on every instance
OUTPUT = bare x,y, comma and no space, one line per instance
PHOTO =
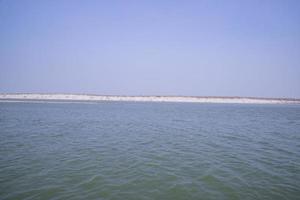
194,99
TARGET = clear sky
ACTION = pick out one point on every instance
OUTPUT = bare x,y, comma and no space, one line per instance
199,48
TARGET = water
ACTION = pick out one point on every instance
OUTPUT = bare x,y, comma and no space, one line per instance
149,151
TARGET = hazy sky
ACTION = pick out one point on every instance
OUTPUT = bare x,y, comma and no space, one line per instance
218,48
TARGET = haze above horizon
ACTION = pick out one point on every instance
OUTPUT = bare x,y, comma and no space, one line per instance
186,48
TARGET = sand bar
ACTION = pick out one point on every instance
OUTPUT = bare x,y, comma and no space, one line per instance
194,99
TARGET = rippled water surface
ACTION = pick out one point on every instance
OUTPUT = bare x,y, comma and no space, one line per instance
149,151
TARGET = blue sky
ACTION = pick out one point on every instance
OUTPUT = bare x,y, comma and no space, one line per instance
199,48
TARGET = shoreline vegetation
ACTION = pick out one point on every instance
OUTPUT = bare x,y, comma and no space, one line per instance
94,98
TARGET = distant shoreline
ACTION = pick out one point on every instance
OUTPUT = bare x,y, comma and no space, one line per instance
94,98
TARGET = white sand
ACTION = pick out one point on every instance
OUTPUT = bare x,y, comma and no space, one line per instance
81,97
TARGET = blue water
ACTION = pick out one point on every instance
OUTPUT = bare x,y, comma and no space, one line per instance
118,150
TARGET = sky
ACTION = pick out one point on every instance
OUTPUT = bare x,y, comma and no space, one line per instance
125,47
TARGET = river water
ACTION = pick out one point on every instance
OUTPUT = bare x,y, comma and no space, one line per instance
127,150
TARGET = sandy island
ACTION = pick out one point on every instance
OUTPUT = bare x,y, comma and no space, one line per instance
194,99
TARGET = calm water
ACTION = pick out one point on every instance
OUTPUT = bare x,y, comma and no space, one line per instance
149,151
